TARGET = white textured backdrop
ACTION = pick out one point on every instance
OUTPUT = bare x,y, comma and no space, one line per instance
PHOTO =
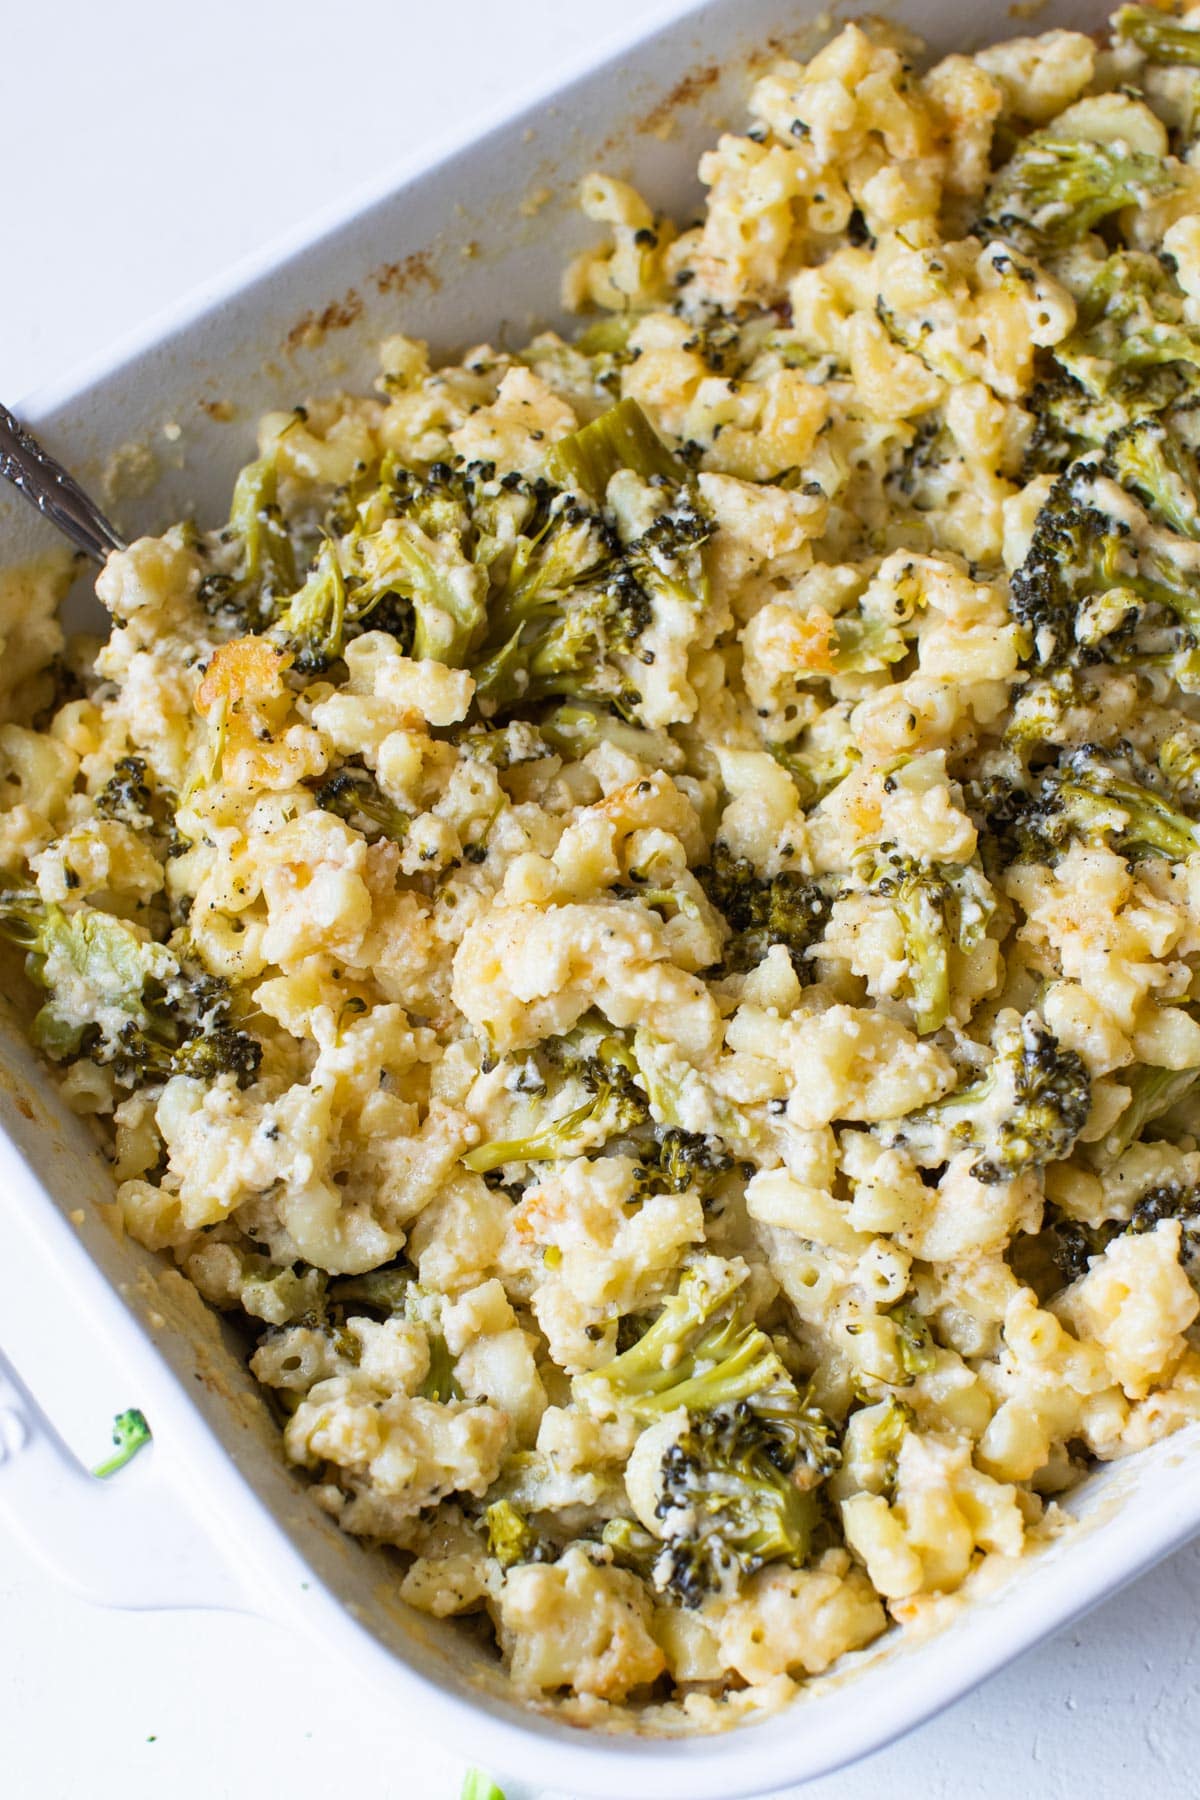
147,145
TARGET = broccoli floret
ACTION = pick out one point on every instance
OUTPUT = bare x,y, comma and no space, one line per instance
633,1547
1062,1252
355,795
575,728
621,438
267,563
729,1502
735,1487
761,910
615,1104
1172,1200
667,561
1091,587
130,1433
1026,1111
699,1353
941,907
677,1160
312,624
1077,550
579,598
1158,36
877,1449
383,1290
1150,460
1049,1095
568,604
1051,1259
127,795
122,998
1071,418
1054,190
424,558
1178,760
1087,799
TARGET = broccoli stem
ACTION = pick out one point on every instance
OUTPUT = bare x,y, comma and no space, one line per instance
621,438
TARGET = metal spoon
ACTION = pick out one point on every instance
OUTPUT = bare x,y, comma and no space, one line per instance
57,495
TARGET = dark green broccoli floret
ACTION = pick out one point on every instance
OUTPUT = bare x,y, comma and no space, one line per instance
1129,322
1150,460
383,1290
1054,190
941,907
1027,1110
1077,550
1051,1259
1172,1200
355,795
266,569
677,1160
1072,417
729,1502
621,438
566,605
312,624
667,561
1092,587
736,1486
122,998
417,545
615,1104
192,1033
1051,1096
1087,799
130,1433
717,339
1062,1252
1158,36
762,910
127,795
579,598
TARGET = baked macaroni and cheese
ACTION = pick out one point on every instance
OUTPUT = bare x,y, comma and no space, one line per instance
635,913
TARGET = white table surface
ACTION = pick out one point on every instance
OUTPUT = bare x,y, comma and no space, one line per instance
163,142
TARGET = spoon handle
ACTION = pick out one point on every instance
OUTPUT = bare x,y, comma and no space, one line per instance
46,485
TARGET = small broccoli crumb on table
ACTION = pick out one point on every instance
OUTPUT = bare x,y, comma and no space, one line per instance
634,914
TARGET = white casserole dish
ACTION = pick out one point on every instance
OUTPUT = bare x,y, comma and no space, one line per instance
211,1516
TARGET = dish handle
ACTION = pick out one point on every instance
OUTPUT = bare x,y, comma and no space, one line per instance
126,1541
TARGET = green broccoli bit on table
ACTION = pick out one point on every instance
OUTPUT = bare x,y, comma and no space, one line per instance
130,1432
